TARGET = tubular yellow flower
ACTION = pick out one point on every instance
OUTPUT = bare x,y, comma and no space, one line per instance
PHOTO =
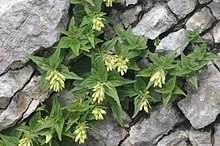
48,138
97,23
25,142
144,105
108,3
98,94
110,61
56,81
158,78
98,113
121,65
80,133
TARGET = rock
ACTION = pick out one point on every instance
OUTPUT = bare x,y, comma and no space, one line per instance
208,37
172,42
199,138
158,20
202,108
204,1
217,1
202,19
177,138
115,15
217,135
216,33
215,8
65,96
20,104
217,63
182,7
131,2
148,131
130,16
11,82
106,133
27,25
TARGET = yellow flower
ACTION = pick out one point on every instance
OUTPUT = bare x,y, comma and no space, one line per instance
145,103
115,61
48,138
80,133
56,81
97,23
121,65
98,94
108,3
110,61
25,142
158,78
98,113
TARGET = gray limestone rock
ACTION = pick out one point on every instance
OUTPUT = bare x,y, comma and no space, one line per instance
106,133
177,138
216,33
21,104
28,25
131,2
202,19
202,108
215,8
182,7
204,1
217,1
200,138
158,20
209,37
217,135
148,131
130,16
11,82
172,42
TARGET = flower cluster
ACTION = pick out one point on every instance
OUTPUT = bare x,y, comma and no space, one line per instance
145,103
56,81
80,133
115,61
98,94
25,142
97,23
98,113
108,3
158,78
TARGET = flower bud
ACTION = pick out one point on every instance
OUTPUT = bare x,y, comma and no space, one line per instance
98,95
97,23
80,133
98,113
56,81
158,78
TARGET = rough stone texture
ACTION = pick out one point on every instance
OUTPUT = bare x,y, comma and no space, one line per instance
11,82
148,131
209,37
21,104
217,1
182,7
115,15
215,8
204,1
216,33
131,2
217,135
172,42
201,108
177,138
130,16
200,138
158,20
27,25
106,133
202,19
65,96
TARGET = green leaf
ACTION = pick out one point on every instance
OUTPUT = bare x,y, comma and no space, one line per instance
139,85
155,59
178,91
91,39
192,78
9,140
75,1
73,118
168,87
59,127
41,62
112,92
147,72
56,108
91,2
54,60
166,98
44,84
108,45
137,105
116,80
68,74
75,47
33,122
117,111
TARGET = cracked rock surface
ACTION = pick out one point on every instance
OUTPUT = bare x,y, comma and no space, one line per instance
28,25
